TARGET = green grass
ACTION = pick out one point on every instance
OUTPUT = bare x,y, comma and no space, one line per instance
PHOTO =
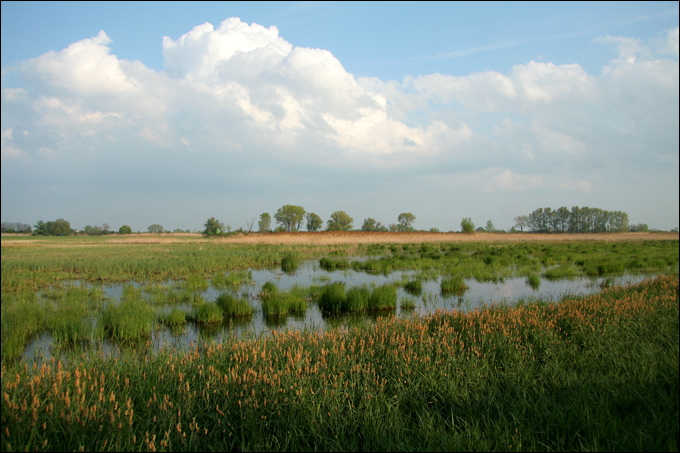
289,263
130,320
591,373
276,303
174,318
453,285
231,306
207,313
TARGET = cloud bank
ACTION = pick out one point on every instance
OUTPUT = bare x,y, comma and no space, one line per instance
239,112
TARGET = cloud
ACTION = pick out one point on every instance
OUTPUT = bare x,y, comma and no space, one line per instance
237,105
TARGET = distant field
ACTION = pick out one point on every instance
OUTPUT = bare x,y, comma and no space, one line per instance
334,237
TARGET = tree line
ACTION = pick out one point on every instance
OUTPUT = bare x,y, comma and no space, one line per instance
291,217
576,220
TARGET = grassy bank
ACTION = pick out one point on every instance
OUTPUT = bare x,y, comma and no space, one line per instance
592,373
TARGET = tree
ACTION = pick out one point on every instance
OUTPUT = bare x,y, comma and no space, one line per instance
314,222
340,221
406,220
370,225
15,227
489,226
213,227
59,227
467,226
155,228
249,224
93,230
522,221
290,217
265,223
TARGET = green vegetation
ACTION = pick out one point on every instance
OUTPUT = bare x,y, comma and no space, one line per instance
454,285
466,225
277,303
125,229
59,227
592,373
290,217
576,220
314,222
340,221
130,320
289,263
213,227
231,306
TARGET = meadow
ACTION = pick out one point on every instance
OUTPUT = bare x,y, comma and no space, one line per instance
597,372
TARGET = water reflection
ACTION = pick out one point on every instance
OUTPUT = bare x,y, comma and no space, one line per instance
417,299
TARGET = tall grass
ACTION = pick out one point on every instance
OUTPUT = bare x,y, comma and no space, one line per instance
231,306
278,303
128,321
592,373
453,285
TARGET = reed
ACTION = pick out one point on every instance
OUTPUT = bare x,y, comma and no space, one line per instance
591,373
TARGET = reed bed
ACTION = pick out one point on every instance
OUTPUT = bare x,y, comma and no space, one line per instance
591,373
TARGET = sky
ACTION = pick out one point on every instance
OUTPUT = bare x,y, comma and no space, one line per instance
171,113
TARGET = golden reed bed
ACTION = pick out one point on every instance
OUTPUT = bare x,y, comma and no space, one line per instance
333,237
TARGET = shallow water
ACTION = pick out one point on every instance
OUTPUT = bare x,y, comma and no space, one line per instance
507,291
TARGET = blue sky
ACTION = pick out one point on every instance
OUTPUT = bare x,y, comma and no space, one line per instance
141,113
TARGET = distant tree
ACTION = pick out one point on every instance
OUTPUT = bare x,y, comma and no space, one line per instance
489,226
265,223
406,220
434,230
93,230
249,224
155,228
213,227
480,230
15,227
639,228
522,221
466,225
314,222
125,229
371,224
340,221
290,217
59,227
106,227
393,227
